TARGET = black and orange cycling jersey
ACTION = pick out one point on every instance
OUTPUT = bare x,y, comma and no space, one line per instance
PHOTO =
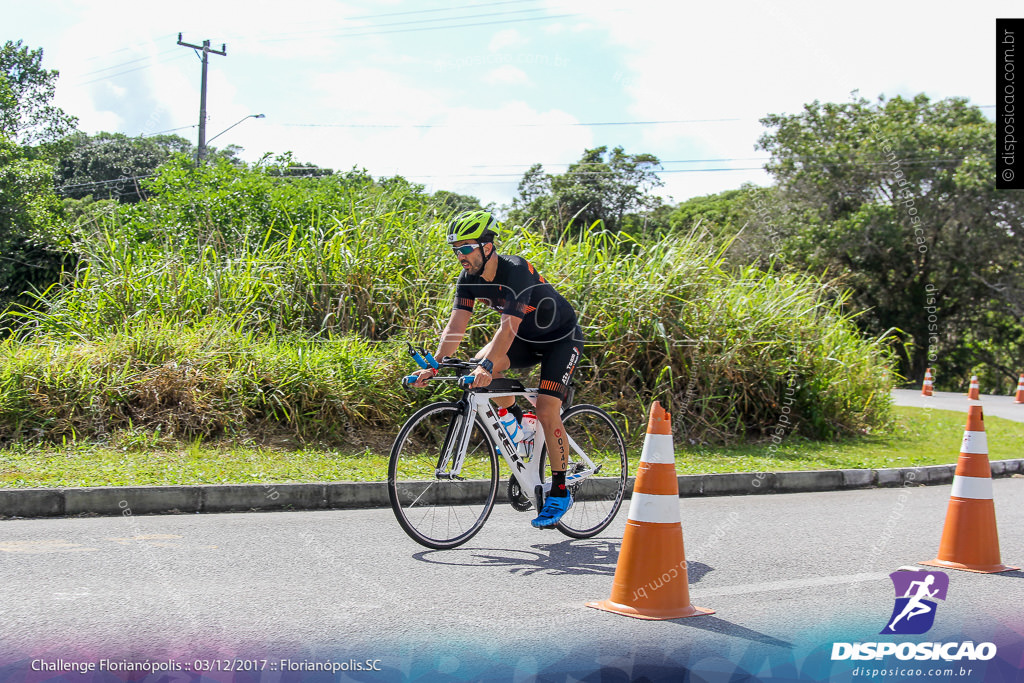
519,290
549,333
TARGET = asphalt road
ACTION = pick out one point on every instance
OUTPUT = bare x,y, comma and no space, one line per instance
998,406
787,575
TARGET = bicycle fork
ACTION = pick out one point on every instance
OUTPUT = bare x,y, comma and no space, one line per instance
456,441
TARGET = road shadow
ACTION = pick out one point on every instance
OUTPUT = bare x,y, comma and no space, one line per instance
721,626
1015,574
569,557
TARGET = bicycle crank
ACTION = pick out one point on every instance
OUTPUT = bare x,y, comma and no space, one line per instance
516,498
538,493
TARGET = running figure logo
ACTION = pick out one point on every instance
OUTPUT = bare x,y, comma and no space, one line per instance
914,612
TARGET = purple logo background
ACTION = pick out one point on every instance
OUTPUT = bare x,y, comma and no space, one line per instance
902,580
914,611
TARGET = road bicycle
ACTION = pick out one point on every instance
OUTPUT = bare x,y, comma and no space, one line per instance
444,474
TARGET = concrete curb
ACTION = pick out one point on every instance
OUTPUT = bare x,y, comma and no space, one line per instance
155,500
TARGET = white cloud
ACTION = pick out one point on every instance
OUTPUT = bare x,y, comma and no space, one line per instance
656,60
508,37
746,59
506,75
436,143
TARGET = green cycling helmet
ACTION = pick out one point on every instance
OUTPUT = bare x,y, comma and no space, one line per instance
473,225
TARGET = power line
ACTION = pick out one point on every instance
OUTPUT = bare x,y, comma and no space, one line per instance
602,163
589,173
298,35
531,125
439,28
169,130
443,9
575,173
371,31
130,61
128,48
160,39
356,30
506,125
127,71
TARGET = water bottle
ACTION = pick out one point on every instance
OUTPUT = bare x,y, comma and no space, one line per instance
529,431
511,425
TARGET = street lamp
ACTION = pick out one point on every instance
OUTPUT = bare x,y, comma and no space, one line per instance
202,151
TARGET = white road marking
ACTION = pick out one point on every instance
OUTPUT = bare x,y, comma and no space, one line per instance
790,584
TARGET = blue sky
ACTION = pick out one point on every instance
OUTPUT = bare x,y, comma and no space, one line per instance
466,95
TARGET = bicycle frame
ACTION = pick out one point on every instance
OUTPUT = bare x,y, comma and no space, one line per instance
526,472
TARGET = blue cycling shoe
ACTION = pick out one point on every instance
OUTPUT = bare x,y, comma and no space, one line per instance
554,508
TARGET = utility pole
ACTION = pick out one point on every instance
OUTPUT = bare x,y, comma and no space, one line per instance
205,47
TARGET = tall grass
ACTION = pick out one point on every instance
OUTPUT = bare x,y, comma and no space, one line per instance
207,380
230,323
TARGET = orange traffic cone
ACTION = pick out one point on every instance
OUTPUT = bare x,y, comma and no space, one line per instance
1020,390
973,392
926,387
970,540
650,577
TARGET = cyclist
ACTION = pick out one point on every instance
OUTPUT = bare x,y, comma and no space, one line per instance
537,326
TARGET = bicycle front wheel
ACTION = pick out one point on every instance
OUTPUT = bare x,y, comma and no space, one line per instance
596,498
436,509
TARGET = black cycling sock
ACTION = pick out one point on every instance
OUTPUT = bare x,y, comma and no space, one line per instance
558,484
517,412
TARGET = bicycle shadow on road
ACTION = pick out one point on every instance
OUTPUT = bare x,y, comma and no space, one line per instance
569,557
727,628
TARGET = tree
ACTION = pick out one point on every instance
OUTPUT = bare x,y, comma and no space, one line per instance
601,188
898,198
27,116
112,165
455,203
285,165
29,216
30,213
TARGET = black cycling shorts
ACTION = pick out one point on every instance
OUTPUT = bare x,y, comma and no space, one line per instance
557,358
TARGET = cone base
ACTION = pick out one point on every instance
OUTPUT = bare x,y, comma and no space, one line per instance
651,614
978,569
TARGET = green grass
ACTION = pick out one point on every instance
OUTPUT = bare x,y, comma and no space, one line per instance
919,437
202,464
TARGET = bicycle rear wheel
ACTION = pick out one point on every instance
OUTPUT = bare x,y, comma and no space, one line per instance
596,499
435,511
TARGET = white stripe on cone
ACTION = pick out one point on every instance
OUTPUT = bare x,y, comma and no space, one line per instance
653,507
658,449
974,443
972,487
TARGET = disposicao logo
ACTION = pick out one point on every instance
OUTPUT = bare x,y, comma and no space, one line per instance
914,614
